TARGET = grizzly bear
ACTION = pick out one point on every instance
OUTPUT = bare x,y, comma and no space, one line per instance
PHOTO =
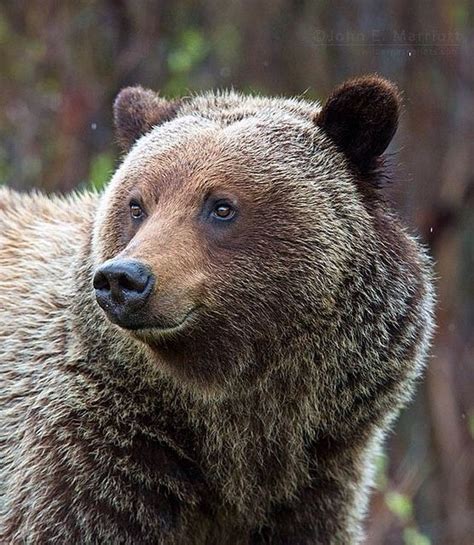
211,351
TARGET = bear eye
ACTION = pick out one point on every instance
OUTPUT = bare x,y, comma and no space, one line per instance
136,210
223,211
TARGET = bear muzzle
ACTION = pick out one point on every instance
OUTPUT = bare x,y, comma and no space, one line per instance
122,289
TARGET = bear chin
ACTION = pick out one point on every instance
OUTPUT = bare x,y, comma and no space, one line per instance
191,356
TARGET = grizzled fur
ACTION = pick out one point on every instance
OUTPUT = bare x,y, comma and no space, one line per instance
258,420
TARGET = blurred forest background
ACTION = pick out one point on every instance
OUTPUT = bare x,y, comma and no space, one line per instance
62,63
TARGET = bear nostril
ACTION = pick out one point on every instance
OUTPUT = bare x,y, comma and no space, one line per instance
100,281
132,283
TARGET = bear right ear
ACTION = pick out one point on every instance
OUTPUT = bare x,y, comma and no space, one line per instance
137,111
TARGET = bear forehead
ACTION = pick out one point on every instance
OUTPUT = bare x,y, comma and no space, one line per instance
231,129
250,156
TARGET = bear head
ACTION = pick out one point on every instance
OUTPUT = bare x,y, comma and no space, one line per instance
225,236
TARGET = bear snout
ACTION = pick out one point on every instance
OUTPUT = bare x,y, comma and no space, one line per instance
122,288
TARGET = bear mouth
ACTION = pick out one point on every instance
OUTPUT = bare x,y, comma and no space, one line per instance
161,328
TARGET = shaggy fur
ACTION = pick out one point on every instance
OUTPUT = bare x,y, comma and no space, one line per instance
258,420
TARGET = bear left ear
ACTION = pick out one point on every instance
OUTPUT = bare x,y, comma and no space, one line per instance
137,111
361,117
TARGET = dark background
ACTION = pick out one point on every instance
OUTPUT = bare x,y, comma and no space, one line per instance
62,63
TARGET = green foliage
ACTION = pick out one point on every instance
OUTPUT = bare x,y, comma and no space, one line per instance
411,536
400,505
189,51
101,169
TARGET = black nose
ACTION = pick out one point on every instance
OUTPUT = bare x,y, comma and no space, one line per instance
122,286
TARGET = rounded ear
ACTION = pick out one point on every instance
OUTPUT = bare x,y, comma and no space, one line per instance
361,117
137,111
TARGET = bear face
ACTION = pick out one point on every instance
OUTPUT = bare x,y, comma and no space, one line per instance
243,216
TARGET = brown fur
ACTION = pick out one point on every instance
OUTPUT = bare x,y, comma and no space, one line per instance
255,422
